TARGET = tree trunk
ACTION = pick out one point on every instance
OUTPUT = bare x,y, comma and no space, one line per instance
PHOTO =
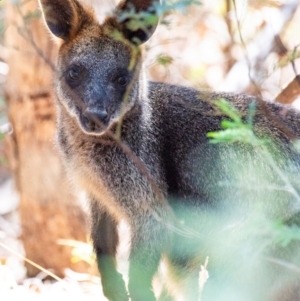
48,206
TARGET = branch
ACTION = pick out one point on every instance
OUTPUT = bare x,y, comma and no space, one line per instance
290,92
237,78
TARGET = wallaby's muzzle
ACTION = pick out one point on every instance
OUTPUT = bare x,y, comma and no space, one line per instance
94,119
95,115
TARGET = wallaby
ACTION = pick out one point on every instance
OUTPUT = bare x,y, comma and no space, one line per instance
141,152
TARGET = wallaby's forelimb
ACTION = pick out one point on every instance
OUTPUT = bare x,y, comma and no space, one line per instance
105,238
145,256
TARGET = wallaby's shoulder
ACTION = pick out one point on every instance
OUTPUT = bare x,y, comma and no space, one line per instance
169,94
185,115
191,105
171,97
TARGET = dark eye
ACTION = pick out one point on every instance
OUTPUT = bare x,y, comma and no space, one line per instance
122,80
73,74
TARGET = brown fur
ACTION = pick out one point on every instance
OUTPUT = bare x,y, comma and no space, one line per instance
167,185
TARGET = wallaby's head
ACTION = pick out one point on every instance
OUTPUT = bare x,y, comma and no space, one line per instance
98,69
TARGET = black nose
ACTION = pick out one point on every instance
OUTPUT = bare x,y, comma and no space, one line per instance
94,115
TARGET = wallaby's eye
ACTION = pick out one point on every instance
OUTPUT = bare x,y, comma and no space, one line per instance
73,74
122,80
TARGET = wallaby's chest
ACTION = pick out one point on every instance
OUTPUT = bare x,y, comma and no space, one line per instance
106,173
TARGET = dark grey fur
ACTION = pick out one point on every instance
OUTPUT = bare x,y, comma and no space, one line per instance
199,191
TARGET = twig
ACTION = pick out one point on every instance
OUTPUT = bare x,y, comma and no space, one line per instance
290,92
236,78
284,264
27,35
262,104
31,262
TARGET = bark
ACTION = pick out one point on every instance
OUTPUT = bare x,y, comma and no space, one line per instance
48,205
291,92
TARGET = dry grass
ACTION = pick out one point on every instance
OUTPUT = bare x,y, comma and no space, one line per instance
14,285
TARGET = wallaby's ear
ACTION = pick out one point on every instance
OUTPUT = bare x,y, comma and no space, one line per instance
138,30
63,17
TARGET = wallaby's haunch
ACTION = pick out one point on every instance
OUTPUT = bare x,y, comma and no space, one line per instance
140,150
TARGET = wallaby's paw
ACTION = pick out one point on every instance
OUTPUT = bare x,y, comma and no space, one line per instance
141,294
114,288
116,295
141,297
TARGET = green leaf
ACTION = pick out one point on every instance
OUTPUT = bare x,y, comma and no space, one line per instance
229,110
164,60
142,20
244,135
284,234
235,130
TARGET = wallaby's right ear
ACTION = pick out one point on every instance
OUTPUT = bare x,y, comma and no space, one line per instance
142,34
63,17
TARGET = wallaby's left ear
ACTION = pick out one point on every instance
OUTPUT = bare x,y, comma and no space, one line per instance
64,18
138,30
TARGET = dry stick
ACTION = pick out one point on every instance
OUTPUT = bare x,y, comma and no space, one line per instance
284,264
279,47
272,117
281,174
27,35
294,67
292,90
259,48
226,49
127,94
40,52
268,113
137,161
227,19
262,104
31,262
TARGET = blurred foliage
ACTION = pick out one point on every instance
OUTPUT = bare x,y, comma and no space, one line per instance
144,19
32,15
80,251
141,20
283,234
207,50
291,56
235,129
164,60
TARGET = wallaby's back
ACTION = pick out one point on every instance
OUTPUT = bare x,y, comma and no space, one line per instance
230,193
184,116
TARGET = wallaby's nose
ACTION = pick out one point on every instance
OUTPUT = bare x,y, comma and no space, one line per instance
94,115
